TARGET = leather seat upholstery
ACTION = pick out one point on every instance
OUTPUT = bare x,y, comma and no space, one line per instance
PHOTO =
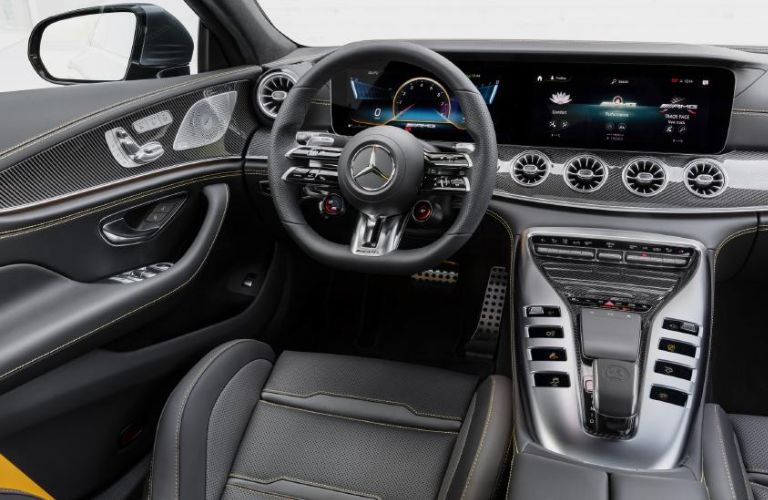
735,455
319,426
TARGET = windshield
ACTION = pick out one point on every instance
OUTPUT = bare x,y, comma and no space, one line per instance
336,22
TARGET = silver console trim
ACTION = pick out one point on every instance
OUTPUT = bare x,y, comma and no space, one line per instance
556,413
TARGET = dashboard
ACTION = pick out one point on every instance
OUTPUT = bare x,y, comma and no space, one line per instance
654,108
683,129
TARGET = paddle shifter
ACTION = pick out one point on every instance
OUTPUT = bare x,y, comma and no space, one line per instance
611,339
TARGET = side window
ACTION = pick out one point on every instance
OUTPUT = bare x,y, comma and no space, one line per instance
97,46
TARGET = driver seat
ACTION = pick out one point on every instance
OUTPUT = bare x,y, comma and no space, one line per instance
241,425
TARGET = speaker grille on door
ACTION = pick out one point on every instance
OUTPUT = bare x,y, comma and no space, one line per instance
206,121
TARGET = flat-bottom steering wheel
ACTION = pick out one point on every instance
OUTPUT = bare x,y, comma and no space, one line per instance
383,170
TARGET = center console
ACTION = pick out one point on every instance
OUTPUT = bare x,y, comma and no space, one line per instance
613,343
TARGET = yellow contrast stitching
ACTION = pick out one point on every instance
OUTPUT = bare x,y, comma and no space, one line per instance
180,416
123,316
303,481
9,233
253,490
394,426
362,398
510,235
482,439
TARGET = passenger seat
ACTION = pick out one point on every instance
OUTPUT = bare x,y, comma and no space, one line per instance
735,455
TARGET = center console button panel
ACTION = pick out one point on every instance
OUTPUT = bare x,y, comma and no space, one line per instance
677,347
542,311
668,395
551,379
594,301
612,251
545,332
673,370
677,325
548,354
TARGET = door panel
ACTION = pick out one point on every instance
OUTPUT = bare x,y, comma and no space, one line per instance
37,304
83,357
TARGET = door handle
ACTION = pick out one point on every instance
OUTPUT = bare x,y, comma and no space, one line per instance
119,232
142,222
129,153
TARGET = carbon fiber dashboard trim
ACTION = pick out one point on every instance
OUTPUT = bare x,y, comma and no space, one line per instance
84,163
746,171
747,188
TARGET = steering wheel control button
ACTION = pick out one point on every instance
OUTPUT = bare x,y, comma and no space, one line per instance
542,311
325,154
548,354
673,370
446,163
333,205
667,395
677,325
677,347
551,379
545,332
311,176
422,211
445,183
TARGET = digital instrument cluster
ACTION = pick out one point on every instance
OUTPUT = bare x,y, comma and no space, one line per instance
402,96
592,106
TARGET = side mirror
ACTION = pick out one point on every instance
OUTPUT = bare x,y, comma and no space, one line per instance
116,42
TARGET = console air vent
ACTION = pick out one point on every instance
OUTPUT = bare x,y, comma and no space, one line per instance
272,91
585,174
530,168
704,178
644,177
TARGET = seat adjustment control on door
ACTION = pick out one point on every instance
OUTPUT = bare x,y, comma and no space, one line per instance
127,152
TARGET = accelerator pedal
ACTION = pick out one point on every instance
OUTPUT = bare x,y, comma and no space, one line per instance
485,338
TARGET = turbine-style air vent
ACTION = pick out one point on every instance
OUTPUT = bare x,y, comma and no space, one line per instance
530,168
272,91
644,177
585,173
704,178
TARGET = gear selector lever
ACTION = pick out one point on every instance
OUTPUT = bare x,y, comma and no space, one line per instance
612,340
615,396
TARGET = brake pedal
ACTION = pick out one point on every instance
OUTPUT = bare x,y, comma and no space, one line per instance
437,276
486,335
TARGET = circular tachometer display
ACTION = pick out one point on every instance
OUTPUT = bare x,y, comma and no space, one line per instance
421,99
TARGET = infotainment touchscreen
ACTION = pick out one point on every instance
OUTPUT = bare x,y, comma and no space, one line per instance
630,107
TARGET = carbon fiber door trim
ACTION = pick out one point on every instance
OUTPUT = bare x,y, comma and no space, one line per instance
84,163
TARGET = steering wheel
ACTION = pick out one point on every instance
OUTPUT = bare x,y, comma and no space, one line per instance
383,170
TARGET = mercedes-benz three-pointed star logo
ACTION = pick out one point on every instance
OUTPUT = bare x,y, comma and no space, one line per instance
373,167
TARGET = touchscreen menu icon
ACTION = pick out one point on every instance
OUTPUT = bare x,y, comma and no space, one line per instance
560,98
